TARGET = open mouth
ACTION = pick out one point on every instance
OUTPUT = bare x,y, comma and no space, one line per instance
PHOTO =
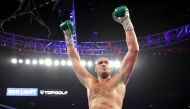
104,75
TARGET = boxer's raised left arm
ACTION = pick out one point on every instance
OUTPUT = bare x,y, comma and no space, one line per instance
121,15
130,58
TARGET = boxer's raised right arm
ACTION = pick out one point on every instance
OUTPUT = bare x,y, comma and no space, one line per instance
82,74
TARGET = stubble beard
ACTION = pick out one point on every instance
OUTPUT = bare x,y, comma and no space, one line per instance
104,75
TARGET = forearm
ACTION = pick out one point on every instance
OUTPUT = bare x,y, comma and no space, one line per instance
67,28
121,15
131,38
72,53
131,41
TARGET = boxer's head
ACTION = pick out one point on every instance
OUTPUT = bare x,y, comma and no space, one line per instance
103,68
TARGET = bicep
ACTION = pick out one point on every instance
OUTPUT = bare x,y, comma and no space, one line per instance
127,67
82,74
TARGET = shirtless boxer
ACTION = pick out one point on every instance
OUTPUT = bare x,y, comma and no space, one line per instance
105,91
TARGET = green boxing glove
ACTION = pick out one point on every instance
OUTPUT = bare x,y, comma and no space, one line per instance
121,15
68,30
120,11
68,24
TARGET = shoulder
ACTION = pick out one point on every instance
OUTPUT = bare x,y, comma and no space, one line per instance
93,82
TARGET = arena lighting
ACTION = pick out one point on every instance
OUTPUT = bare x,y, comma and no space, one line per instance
153,41
14,60
27,61
111,64
63,62
69,63
56,62
117,64
20,61
89,63
48,62
41,61
34,61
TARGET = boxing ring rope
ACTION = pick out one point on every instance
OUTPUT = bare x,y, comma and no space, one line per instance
6,107
27,45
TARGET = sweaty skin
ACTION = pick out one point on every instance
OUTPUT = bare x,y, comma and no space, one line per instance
106,91
102,96
103,93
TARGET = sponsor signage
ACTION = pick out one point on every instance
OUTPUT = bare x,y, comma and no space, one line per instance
22,92
53,92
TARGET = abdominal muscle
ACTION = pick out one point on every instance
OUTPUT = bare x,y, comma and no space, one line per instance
104,103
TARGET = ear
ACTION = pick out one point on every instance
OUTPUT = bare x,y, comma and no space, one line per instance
110,69
95,68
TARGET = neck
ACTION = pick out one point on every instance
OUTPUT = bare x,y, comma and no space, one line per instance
100,79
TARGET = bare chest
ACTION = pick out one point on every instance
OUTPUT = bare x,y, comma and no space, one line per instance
101,91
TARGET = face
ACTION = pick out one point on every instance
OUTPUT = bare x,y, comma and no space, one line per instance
102,68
